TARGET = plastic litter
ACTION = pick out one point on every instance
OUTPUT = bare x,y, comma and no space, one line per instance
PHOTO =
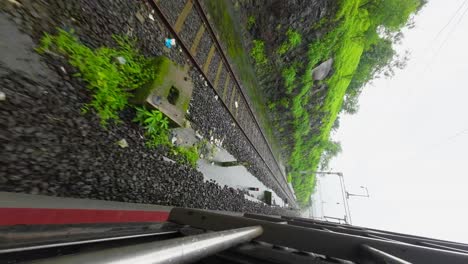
122,143
170,42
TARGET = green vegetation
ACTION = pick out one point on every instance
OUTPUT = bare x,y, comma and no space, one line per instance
110,80
188,155
111,74
157,134
360,53
258,52
294,39
289,76
289,178
250,22
155,124
354,38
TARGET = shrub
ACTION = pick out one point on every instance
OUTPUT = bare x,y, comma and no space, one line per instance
108,79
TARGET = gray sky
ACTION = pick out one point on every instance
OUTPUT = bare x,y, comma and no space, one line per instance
409,141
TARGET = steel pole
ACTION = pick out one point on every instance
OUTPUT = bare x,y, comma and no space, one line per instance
345,197
178,250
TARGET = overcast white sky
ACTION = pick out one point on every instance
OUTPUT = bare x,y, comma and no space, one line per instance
409,141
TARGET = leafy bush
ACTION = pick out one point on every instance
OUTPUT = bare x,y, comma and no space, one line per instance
108,79
155,124
258,52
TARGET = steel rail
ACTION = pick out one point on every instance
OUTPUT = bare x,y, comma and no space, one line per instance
177,250
84,241
154,4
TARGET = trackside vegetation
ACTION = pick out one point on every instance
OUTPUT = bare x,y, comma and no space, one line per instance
359,29
111,74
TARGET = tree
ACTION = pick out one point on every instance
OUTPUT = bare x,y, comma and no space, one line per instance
374,62
330,149
351,104
392,14
336,124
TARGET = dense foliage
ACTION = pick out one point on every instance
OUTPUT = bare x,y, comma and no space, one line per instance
360,39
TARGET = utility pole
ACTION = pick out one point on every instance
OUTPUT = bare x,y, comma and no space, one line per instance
360,195
343,192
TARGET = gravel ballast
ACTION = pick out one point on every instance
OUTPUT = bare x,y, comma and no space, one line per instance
48,146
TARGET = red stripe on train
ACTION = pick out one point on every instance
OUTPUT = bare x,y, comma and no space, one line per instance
44,216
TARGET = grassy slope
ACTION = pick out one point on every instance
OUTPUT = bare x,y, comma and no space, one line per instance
345,45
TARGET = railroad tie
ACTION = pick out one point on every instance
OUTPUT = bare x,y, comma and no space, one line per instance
233,95
238,103
218,74
183,15
206,66
196,41
226,84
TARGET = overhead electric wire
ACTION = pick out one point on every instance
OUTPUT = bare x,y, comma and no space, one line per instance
450,20
439,144
436,53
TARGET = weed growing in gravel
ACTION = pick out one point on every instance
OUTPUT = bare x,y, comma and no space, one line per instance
155,124
187,155
258,52
157,133
294,39
111,73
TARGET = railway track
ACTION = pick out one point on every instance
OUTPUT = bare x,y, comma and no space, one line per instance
194,34
47,229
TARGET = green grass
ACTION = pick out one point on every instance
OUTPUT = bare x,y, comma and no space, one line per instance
110,81
342,44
